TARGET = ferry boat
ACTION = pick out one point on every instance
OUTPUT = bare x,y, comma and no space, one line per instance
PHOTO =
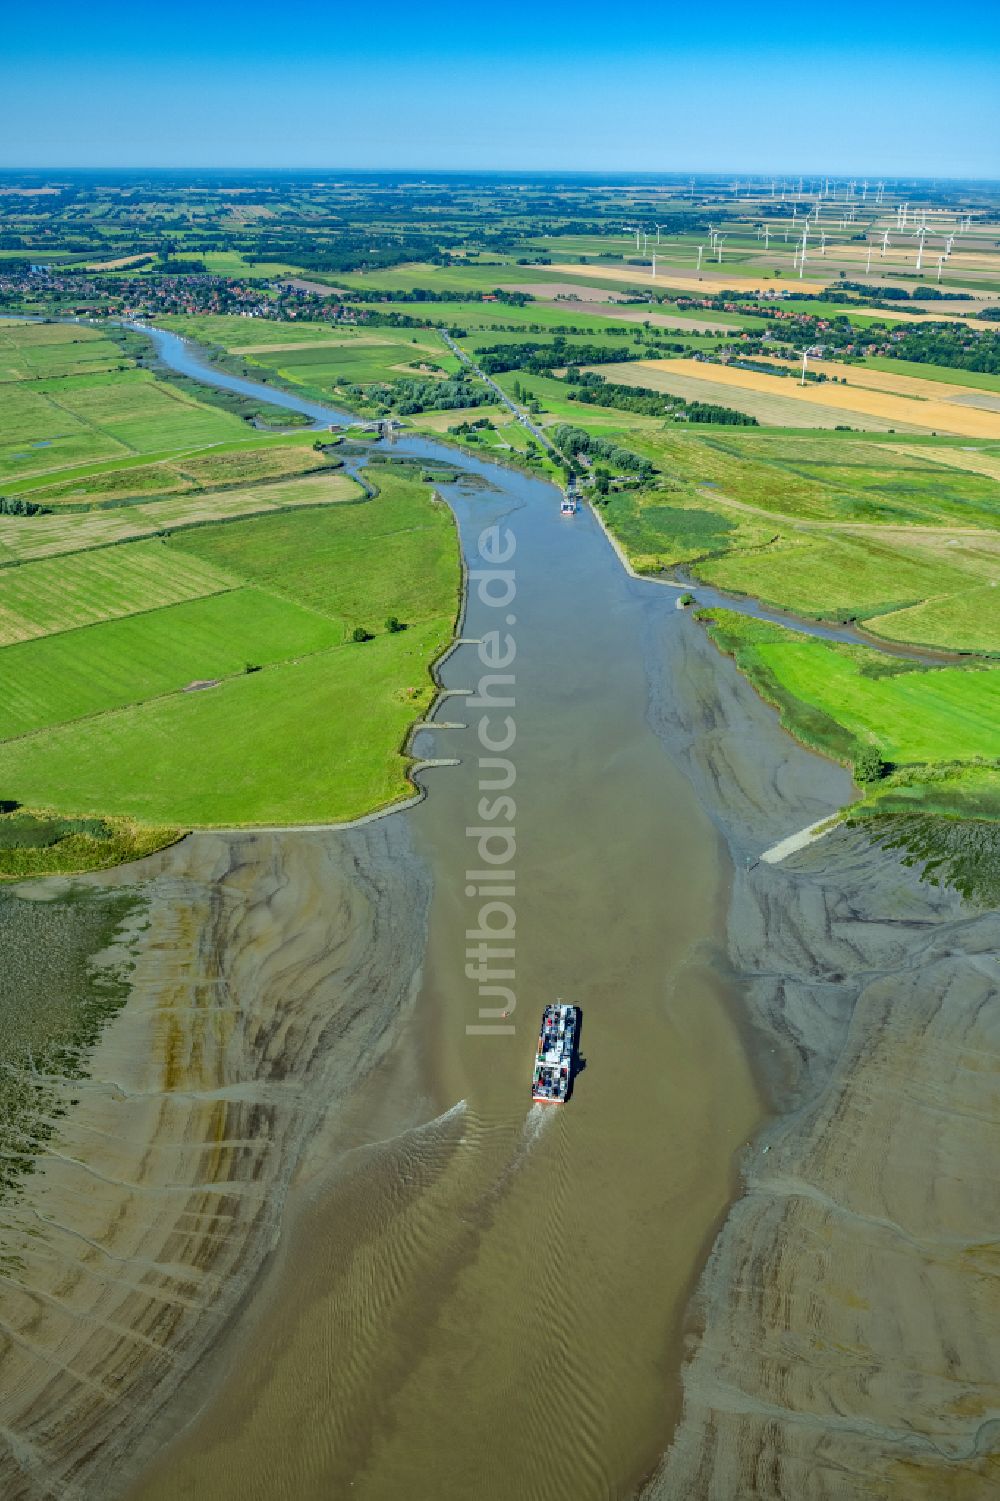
556,1057
569,504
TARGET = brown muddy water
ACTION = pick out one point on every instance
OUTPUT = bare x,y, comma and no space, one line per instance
471,1294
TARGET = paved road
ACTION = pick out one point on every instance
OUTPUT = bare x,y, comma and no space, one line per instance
509,403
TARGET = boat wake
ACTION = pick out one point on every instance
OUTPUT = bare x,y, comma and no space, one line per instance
535,1122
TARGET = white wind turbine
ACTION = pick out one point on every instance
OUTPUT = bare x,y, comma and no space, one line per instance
815,350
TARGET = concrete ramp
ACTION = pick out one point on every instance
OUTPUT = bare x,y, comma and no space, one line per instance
786,847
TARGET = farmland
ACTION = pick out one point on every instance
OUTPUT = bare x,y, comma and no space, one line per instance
190,579
62,594
244,461
839,527
103,713
75,532
867,496
783,401
936,727
79,410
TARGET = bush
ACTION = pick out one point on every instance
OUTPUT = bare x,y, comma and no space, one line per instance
394,624
869,765
360,634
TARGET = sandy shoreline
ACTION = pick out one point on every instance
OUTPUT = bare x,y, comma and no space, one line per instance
842,1312
847,1310
251,1007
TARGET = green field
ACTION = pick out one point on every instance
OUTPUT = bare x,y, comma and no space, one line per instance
202,469
834,526
25,538
357,564
106,727
837,698
934,714
252,589
975,379
314,742
67,400
53,679
62,594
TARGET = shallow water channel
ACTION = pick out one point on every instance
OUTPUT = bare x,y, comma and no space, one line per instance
474,1295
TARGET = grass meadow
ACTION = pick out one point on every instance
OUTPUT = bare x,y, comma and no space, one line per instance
929,722
312,741
838,527
25,538
101,648
65,593
69,397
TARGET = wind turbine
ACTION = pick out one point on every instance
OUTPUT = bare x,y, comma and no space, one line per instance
869,265
701,252
920,252
802,253
940,264
654,265
885,245
815,350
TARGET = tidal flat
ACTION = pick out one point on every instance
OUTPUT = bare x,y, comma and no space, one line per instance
299,1236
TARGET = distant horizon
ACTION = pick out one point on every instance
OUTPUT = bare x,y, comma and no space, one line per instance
760,177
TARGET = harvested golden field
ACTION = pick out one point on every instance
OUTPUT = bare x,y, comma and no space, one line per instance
872,408
894,315
673,276
118,264
901,385
774,406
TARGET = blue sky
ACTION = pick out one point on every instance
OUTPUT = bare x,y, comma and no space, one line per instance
667,87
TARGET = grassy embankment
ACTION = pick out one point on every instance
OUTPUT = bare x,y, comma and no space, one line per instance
172,659
898,535
894,534
318,360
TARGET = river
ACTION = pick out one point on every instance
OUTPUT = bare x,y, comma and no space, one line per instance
492,1298
400,1279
